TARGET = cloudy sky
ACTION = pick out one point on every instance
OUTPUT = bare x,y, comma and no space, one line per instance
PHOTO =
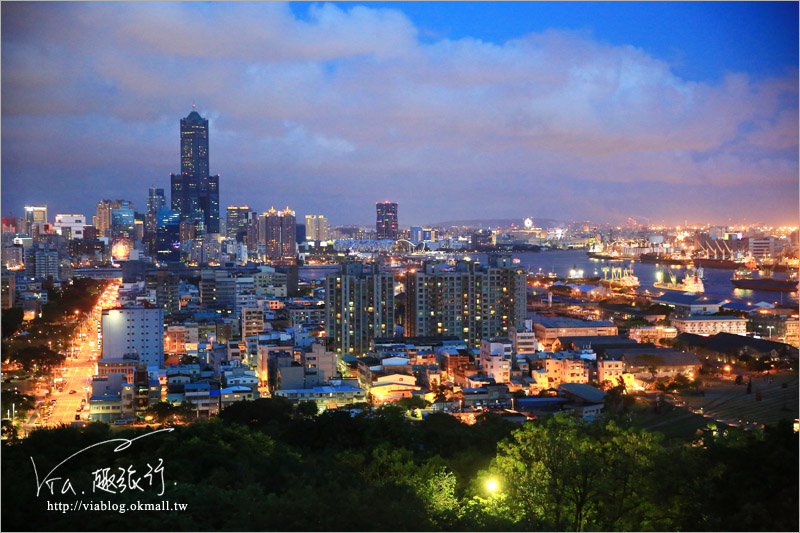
663,112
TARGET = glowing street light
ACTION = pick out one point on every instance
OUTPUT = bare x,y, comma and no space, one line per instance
492,485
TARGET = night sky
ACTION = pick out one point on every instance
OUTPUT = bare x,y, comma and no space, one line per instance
663,112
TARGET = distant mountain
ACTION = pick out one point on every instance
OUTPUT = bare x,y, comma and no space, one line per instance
495,223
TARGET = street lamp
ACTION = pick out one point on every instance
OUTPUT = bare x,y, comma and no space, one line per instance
492,486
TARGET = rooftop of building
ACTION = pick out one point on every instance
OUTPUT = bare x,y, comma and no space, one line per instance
583,392
712,318
686,299
723,342
566,322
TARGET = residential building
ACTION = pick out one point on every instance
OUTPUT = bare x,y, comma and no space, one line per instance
319,364
495,359
134,330
359,304
317,228
472,301
326,397
278,233
610,370
252,321
523,339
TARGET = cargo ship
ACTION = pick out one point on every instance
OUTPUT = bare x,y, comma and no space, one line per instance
665,259
727,264
745,281
691,283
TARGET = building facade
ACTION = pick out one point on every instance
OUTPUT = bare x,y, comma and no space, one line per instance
278,233
386,224
70,226
359,304
711,325
472,302
236,222
134,331
317,228
168,236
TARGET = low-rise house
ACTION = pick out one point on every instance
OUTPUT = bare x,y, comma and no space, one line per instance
326,397
235,394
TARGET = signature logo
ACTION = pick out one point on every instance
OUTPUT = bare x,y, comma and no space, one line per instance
106,479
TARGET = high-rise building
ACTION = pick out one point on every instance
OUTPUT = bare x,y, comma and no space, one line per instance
278,232
35,219
103,220
155,200
136,331
472,302
237,219
359,306
195,193
41,261
168,236
317,228
386,224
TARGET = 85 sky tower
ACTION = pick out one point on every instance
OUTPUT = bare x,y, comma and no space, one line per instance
195,194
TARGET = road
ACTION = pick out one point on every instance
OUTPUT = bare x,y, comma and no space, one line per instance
78,369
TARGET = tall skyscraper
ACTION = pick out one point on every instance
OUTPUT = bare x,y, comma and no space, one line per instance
195,194
386,224
237,219
359,306
317,228
472,302
278,232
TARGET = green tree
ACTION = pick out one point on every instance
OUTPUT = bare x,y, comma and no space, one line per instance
413,402
308,408
566,474
161,411
17,402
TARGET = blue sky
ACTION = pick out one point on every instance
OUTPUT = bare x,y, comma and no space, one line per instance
601,111
702,40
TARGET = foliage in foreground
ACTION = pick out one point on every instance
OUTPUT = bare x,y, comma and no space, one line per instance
264,466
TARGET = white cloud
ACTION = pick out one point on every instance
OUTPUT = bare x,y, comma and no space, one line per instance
353,98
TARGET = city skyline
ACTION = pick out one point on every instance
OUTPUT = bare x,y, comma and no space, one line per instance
564,112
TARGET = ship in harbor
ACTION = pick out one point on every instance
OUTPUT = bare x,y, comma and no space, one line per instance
708,262
743,280
665,259
719,255
693,282
621,278
610,256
